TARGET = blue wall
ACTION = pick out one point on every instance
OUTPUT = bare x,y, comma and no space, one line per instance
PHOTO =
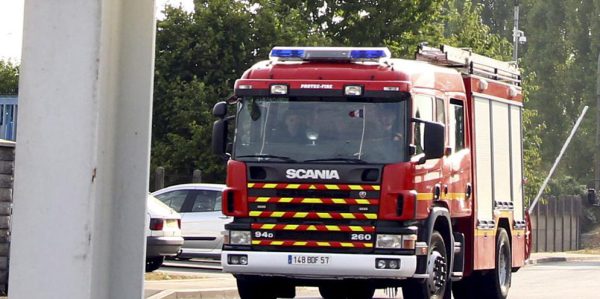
8,117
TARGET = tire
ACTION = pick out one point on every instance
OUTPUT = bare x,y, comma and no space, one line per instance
254,288
437,286
360,291
350,289
496,282
153,263
332,291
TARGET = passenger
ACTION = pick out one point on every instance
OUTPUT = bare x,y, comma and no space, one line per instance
388,122
295,128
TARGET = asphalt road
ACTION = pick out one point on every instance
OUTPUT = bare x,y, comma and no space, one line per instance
561,280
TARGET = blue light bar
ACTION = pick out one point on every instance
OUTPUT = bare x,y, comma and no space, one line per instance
287,53
369,54
328,54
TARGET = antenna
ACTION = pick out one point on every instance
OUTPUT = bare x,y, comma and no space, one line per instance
518,36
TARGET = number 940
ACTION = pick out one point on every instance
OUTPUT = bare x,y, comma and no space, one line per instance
263,235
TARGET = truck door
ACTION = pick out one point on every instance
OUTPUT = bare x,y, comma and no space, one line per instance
428,176
457,165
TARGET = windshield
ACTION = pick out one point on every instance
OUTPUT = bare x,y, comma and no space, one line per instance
308,129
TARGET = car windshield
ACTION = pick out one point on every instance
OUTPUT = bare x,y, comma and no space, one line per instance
321,130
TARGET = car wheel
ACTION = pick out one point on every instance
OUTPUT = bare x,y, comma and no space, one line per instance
153,263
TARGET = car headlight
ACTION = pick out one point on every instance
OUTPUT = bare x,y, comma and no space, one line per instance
396,241
239,237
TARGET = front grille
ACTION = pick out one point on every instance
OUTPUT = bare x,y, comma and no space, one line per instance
324,217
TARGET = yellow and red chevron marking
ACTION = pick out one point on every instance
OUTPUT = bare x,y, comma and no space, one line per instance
290,243
307,200
314,186
313,215
317,228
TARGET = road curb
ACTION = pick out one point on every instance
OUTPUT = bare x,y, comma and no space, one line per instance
546,260
569,258
217,293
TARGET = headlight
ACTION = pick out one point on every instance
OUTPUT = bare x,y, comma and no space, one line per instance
237,237
396,241
389,241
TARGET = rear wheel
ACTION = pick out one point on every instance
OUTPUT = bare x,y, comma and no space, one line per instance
497,281
153,263
437,285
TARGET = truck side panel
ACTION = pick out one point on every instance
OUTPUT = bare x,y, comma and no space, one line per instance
497,172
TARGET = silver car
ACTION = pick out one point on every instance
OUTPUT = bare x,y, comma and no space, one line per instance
163,233
202,223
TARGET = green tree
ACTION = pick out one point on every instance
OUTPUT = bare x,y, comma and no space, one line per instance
561,54
199,55
9,78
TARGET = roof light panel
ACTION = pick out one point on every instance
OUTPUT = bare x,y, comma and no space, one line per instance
329,54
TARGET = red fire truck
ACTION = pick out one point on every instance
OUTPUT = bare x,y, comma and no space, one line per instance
353,171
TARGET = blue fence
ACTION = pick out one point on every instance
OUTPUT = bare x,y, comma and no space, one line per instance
8,117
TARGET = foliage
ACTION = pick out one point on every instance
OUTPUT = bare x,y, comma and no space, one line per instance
199,55
561,54
9,78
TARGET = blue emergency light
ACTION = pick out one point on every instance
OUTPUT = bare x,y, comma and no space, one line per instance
329,53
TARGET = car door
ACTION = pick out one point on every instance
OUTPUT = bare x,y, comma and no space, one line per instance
203,222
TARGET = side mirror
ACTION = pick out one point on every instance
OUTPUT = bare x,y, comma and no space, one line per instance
219,137
220,110
434,146
593,198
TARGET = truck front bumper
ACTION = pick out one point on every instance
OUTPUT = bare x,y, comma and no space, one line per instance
339,266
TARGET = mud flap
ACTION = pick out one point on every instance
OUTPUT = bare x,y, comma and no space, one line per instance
458,267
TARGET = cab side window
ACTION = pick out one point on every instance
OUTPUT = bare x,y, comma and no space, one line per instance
457,125
440,113
422,109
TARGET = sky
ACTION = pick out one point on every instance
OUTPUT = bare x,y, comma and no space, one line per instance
11,25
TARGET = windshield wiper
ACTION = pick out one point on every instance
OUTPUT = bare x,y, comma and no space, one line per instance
266,156
354,160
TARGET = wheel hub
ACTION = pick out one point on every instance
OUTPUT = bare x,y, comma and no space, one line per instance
438,270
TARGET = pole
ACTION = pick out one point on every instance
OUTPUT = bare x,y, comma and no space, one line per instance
562,151
516,35
597,152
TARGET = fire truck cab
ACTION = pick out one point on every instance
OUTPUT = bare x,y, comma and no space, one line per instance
352,171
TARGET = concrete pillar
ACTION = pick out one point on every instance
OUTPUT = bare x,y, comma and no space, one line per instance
82,155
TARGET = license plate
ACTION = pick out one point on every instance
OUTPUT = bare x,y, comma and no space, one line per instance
171,223
294,259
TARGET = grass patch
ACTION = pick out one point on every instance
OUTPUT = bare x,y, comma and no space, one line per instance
588,251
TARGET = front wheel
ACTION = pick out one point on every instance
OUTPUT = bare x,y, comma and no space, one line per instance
350,289
332,291
437,286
